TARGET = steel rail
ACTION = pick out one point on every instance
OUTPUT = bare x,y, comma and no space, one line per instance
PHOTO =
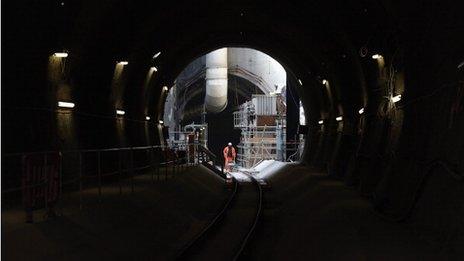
244,242
201,236
255,221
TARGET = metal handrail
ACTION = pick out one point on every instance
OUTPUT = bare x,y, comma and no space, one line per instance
202,149
15,189
210,154
83,150
96,174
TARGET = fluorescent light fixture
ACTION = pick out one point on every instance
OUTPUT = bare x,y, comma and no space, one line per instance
66,104
154,68
339,118
165,88
123,63
361,111
161,122
324,81
120,112
156,55
61,55
147,118
377,56
300,82
320,122
396,98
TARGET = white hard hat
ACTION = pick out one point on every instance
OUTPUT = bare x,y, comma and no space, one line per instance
229,144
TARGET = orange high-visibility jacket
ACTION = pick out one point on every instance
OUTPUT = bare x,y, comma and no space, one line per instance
226,152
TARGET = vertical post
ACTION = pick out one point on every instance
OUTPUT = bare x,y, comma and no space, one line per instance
181,165
80,180
173,162
189,154
158,166
27,190
165,164
45,173
198,154
61,174
120,170
132,169
99,176
152,163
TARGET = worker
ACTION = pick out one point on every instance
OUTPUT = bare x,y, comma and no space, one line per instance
229,156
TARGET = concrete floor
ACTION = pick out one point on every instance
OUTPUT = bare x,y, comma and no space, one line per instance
224,240
151,224
307,216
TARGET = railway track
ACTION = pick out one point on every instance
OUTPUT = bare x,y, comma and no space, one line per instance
228,233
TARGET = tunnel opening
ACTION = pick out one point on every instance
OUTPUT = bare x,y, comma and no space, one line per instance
260,111
381,83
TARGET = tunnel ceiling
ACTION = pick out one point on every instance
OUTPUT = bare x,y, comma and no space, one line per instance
315,40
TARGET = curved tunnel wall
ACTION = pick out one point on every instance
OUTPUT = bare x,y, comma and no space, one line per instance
391,150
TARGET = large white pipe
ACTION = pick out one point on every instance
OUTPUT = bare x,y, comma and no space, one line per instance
216,81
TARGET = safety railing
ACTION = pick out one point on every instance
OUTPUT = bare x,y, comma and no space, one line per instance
39,179
210,160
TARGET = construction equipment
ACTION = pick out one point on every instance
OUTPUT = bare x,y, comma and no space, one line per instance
262,122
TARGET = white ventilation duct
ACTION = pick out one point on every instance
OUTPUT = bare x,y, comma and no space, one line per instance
216,81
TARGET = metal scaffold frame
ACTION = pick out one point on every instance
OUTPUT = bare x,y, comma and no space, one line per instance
179,139
263,127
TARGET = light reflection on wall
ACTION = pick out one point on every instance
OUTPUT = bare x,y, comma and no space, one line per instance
148,78
381,65
117,93
329,93
117,86
61,90
66,128
148,123
148,130
121,131
302,115
160,134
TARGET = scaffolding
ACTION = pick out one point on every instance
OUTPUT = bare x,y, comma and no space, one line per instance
263,130
188,138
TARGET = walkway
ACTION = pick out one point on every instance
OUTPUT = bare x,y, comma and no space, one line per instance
309,216
151,224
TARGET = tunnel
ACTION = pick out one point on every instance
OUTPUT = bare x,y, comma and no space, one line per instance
93,167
